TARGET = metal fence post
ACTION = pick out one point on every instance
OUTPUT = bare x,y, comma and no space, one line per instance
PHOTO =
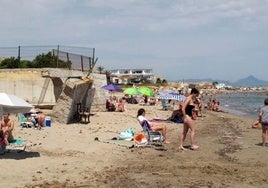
58,49
19,57
82,65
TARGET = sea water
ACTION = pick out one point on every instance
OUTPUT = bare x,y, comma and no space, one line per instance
242,103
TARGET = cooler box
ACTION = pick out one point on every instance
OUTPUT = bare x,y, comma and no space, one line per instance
48,121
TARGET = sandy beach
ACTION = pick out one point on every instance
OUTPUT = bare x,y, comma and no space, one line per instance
230,154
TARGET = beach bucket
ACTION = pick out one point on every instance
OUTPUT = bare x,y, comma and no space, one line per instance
48,121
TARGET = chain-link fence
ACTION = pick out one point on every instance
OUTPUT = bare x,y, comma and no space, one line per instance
79,58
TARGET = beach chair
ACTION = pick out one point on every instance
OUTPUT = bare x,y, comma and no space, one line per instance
24,123
83,114
152,136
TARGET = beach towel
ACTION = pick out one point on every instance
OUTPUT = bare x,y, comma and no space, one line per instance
17,142
16,145
128,135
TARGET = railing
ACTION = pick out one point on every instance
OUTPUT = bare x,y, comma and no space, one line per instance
79,58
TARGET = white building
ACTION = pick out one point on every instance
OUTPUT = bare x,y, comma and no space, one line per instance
223,86
127,76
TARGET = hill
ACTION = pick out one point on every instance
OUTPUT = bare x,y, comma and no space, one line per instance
250,81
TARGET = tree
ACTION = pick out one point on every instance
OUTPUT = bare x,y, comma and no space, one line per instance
158,81
10,63
214,84
26,64
100,69
108,76
44,60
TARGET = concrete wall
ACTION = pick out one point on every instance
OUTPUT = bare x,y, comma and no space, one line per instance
38,86
99,95
59,88
74,92
27,84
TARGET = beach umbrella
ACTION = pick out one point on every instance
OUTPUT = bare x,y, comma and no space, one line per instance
166,91
171,96
132,91
146,91
112,87
12,104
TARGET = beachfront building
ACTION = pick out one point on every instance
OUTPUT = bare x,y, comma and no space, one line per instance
129,76
223,86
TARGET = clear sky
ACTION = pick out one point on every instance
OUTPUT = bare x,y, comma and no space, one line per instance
178,39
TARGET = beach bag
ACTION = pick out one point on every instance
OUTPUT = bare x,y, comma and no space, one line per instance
140,140
128,135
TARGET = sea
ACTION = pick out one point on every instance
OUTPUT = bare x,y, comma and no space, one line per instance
239,103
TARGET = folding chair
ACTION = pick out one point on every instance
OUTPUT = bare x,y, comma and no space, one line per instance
152,136
24,123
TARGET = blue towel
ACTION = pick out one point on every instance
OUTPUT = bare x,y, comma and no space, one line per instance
17,141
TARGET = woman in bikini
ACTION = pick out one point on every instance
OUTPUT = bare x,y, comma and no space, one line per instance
188,122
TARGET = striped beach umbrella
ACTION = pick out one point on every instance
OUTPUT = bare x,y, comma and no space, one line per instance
171,96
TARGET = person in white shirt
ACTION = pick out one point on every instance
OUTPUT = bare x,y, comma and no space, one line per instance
161,128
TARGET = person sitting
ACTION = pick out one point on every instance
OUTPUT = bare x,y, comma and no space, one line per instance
36,118
132,100
216,107
110,107
151,101
121,106
2,142
145,99
125,97
7,126
39,117
177,116
161,128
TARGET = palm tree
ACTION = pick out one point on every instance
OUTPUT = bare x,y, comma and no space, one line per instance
100,69
108,76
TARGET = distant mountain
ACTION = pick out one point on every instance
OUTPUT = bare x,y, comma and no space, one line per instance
250,81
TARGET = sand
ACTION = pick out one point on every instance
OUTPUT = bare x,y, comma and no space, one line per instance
230,154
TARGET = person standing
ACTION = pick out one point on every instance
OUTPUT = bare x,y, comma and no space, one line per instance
263,119
188,122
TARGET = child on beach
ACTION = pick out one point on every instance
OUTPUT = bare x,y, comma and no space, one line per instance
263,118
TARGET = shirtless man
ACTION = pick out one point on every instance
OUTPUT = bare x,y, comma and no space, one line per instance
7,125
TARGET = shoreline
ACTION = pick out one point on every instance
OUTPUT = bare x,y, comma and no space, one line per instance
68,155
